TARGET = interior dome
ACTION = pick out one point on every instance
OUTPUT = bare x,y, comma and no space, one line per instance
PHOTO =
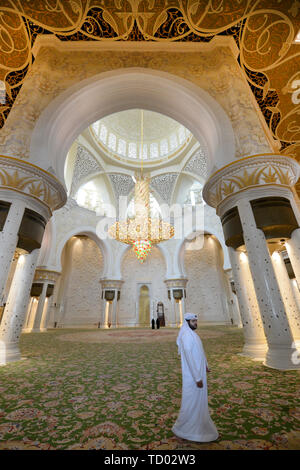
121,133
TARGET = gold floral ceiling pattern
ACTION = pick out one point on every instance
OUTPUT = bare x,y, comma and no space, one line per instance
264,31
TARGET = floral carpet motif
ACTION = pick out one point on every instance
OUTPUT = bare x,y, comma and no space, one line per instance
136,335
114,395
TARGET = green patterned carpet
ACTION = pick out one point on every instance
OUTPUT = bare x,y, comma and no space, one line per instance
121,389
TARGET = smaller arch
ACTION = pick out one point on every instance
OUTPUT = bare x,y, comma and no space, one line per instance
179,250
163,250
144,305
91,233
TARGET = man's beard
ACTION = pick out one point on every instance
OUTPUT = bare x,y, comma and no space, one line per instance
192,327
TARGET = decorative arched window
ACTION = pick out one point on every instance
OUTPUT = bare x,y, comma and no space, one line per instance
164,147
103,133
173,141
194,195
181,134
154,150
88,197
122,147
112,141
132,150
96,127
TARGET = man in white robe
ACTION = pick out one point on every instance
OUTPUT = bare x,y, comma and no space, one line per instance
194,422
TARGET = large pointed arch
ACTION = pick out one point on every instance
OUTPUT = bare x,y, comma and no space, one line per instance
109,92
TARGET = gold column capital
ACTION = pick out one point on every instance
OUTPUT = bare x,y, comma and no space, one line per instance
256,171
111,283
26,178
179,283
46,275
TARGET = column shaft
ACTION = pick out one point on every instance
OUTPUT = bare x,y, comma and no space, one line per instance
183,310
295,288
287,294
293,249
9,240
103,308
39,311
255,341
45,314
16,308
114,308
106,314
277,330
232,302
28,313
173,318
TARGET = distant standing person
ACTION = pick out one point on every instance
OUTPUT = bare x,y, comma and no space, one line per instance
194,422
153,324
157,323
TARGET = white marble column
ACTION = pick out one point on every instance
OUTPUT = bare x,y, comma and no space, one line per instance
109,310
45,314
281,348
9,240
295,288
255,345
293,249
39,311
182,308
16,308
178,306
178,312
287,295
233,307
106,314
114,309
28,324
173,310
28,313
177,309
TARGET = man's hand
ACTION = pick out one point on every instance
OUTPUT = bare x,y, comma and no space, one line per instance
199,384
207,369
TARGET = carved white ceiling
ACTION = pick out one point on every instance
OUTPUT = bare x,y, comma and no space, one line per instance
197,164
120,134
85,164
122,184
164,185
127,125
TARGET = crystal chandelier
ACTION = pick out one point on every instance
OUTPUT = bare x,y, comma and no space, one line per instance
141,231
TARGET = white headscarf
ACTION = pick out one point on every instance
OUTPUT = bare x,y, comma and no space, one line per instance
185,329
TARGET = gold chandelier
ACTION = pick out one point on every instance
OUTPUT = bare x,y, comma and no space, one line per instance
142,231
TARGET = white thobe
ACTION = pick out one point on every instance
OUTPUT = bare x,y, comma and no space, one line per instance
194,422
